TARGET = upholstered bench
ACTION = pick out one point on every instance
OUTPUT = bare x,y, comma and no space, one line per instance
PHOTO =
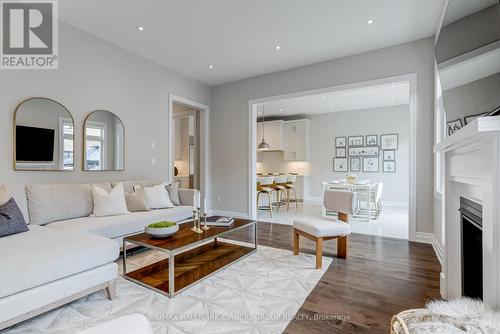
318,230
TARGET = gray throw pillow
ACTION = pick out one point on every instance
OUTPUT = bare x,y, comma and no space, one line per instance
136,201
173,191
11,219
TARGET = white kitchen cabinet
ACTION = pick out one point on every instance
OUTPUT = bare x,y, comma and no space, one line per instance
296,140
273,134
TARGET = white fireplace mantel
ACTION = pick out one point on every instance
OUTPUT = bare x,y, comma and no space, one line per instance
472,169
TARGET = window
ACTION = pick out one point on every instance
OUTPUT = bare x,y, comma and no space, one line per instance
66,143
95,133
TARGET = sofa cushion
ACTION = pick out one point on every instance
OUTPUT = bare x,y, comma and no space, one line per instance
17,192
43,255
109,203
118,226
157,196
53,202
136,201
173,191
11,219
128,186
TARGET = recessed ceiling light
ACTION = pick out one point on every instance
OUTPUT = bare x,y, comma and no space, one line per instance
278,47
370,21
140,28
210,66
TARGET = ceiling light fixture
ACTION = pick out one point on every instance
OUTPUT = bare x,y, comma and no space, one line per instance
370,21
210,66
263,146
140,28
278,47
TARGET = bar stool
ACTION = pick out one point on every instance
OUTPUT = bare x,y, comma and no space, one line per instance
290,186
281,189
265,185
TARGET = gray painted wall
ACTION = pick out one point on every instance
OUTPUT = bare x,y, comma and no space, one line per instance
230,118
474,98
324,128
92,75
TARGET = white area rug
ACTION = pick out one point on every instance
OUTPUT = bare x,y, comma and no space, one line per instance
259,294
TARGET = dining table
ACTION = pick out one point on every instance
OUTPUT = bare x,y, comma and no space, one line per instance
359,186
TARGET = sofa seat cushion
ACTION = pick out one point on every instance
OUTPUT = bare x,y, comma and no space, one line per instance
326,227
118,226
44,255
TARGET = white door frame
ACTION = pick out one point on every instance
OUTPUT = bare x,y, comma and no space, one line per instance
252,161
205,178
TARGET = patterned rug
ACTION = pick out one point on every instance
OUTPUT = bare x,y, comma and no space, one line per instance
259,294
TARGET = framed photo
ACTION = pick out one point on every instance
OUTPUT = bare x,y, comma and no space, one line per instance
454,126
356,141
355,164
364,151
469,119
389,155
371,140
389,142
371,165
340,141
389,167
340,164
340,152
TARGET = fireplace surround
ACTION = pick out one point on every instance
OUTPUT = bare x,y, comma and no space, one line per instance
471,216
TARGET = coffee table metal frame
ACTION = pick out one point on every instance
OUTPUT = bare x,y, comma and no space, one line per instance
171,258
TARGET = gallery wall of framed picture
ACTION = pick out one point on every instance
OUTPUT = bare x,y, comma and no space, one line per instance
366,154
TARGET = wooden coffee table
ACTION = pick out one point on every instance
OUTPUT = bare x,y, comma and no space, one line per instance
191,256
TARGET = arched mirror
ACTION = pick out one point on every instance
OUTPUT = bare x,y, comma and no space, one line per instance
43,136
104,142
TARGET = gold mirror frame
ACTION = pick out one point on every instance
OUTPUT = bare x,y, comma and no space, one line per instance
84,143
14,160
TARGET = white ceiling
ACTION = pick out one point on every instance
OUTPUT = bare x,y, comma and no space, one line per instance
353,99
239,36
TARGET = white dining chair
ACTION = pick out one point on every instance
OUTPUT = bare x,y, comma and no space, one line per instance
374,199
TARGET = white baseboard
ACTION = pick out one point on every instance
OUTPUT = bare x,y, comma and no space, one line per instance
430,238
229,214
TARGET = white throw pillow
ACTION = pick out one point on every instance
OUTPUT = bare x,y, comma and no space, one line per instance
157,196
109,203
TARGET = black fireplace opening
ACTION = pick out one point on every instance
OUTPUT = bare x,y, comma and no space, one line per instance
472,248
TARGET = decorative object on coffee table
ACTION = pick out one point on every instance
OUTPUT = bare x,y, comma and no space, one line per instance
191,256
162,229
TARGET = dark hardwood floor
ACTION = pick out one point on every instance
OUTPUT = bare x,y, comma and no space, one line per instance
381,277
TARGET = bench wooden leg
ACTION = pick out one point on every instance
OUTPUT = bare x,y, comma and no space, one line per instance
342,247
295,242
319,253
111,290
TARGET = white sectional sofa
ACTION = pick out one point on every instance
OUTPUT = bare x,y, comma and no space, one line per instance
67,253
